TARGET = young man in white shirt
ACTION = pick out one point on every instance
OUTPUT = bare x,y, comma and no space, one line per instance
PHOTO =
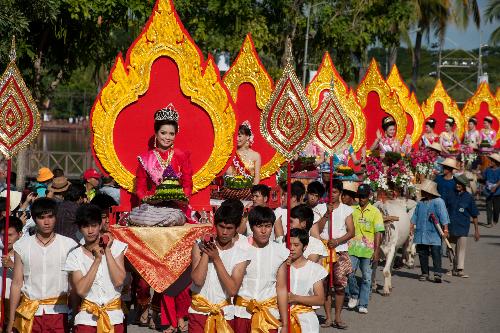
39,275
306,285
298,191
97,274
316,191
218,267
342,232
302,217
260,195
263,293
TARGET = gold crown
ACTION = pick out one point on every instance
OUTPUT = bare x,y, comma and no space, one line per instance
450,120
167,113
388,120
488,118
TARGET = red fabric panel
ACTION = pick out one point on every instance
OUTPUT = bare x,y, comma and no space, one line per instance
55,323
374,115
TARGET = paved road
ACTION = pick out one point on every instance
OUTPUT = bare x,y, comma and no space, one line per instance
457,305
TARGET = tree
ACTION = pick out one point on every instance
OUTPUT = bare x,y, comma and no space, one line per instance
493,14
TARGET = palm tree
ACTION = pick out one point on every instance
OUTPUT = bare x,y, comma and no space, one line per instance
493,13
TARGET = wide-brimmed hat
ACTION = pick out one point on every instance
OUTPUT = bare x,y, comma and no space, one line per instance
429,186
350,186
435,146
495,157
59,184
44,174
462,179
450,162
15,198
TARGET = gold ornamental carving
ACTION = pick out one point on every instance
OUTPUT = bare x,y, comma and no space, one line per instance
163,36
247,68
322,82
473,104
450,107
373,81
409,102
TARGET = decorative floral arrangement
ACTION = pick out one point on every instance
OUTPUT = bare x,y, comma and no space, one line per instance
391,158
169,190
468,156
346,171
304,163
485,144
376,177
238,182
422,162
400,174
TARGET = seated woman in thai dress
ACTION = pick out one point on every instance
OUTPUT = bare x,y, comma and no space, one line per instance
246,161
342,170
472,137
488,134
388,142
448,138
429,137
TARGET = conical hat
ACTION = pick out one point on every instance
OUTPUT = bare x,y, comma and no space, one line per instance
495,157
450,162
350,186
429,186
435,146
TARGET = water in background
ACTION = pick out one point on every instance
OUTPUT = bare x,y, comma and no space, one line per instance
72,141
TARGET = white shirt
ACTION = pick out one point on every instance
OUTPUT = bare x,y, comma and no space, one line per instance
43,270
339,227
8,280
302,281
319,210
315,246
259,282
212,289
102,290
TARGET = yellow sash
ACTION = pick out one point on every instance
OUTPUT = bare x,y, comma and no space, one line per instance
27,308
216,323
326,261
103,321
294,313
262,319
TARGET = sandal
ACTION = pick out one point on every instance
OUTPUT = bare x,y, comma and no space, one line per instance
170,329
460,273
327,323
183,328
339,325
423,277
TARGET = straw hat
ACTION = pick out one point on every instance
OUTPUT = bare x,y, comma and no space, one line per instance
450,162
435,146
44,174
59,184
350,186
495,157
429,186
15,198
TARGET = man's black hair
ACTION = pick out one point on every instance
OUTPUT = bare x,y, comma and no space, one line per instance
3,204
42,206
301,234
103,201
87,214
316,187
14,222
227,215
75,192
262,189
303,213
298,189
235,204
259,215
338,185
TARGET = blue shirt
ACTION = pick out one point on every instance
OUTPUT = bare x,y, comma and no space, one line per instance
462,209
492,176
445,187
425,230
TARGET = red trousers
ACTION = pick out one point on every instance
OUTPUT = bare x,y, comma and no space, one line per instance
197,323
243,325
93,329
141,290
51,323
173,308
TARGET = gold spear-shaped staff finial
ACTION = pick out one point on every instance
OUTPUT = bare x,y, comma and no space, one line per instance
12,53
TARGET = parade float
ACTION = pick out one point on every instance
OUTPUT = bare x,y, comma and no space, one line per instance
164,65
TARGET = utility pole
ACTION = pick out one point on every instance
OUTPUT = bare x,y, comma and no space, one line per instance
307,13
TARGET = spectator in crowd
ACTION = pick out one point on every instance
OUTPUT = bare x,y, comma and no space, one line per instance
315,192
58,187
97,272
306,285
110,188
301,217
462,210
66,212
58,172
364,248
445,181
426,235
298,191
491,176
260,195
43,179
104,202
43,304
91,178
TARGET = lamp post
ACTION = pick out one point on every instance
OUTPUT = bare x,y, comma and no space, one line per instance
307,13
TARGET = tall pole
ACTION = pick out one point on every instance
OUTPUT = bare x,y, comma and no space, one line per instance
304,67
480,59
6,237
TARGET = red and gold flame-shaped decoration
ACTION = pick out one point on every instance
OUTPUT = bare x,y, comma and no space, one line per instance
286,122
19,117
482,104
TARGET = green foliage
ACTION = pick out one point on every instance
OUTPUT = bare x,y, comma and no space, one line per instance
493,14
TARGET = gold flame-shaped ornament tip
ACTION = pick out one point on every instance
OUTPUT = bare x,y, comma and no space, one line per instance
12,53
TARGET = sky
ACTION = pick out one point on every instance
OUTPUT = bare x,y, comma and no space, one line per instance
469,38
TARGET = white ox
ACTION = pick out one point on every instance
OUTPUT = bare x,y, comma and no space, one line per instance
396,235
